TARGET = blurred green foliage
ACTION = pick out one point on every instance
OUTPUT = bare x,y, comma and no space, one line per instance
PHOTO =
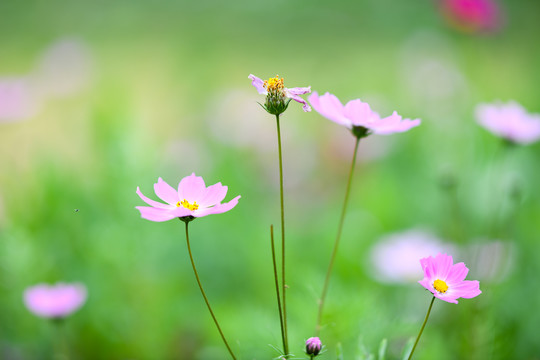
167,97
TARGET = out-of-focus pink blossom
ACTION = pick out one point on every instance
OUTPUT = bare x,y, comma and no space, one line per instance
472,15
54,301
276,94
510,121
395,256
18,100
357,115
192,199
313,346
447,281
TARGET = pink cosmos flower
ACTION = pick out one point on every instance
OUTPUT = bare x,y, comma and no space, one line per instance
276,94
472,15
54,301
193,199
358,116
510,121
447,281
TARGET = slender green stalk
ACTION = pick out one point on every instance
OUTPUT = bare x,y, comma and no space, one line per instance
203,293
283,284
277,285
336,242
61,350
422,329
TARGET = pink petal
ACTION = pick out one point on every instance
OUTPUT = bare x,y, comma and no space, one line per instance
457,274
330,107
446,297
152,202
297,98
442,264
191,188
359,113
157,214
467,289
166,192
213,195
218,209
258,83
299,90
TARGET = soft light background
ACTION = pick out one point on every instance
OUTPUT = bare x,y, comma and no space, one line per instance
107,96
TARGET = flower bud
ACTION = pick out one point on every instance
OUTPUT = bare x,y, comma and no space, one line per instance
313,346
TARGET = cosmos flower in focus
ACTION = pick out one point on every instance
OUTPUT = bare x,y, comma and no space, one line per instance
192,199
447,281
472,16
277,95
509,121
54,301
358,116
404,248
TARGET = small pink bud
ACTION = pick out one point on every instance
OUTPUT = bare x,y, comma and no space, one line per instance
313,346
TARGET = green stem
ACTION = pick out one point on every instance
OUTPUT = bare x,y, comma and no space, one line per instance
283,284
61,347
203,293
422,329
336,242
277,284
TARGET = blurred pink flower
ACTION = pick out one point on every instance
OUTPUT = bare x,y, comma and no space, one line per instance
357,115
18,100
54,301
472,15
404,248
447,281
313,346
510,121
193,199
274,87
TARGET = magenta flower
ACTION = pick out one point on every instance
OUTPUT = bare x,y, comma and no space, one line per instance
358,116
447,281
510,121
313,346
472,15
277,95
54,301
193,199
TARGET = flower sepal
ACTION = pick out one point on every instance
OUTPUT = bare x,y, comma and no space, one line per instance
360,131
187,219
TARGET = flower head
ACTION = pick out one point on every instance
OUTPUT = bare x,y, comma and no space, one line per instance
192,199
54,301
472,16
277,95
313,346
358,116
447,281
510,121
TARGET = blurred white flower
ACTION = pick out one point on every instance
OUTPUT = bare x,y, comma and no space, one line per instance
396,257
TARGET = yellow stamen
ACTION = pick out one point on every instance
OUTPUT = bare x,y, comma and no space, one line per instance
187,205
274,84
440,286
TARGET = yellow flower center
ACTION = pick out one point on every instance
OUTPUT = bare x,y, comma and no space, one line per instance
187,205
440,286
274,84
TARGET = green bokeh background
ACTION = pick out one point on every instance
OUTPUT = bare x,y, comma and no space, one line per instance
168,95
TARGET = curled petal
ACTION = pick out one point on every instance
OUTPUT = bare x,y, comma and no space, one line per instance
258,83
299,90
297,98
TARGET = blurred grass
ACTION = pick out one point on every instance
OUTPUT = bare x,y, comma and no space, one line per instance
161,69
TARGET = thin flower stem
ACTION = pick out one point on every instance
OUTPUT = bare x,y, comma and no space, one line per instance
422,329
283,284
203,293
336,243
277,284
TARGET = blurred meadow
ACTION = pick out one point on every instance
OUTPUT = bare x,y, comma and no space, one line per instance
107,96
